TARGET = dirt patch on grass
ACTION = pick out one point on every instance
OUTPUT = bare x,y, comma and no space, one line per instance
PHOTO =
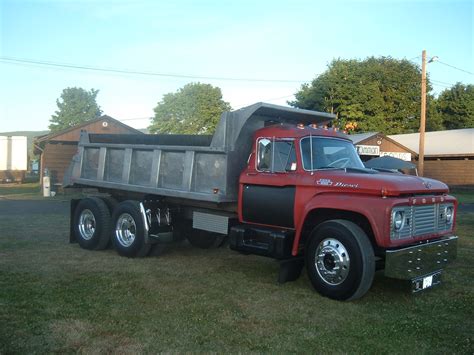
82,336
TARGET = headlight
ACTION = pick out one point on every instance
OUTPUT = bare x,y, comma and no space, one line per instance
448,214
398,220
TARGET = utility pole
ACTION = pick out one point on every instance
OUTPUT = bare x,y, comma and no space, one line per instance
421,150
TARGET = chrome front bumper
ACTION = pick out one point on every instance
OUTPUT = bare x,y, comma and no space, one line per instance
415,261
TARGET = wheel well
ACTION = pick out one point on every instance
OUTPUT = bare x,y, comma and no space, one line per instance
320,215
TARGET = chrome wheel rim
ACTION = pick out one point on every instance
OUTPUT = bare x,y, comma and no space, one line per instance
125,230
332,261
86,224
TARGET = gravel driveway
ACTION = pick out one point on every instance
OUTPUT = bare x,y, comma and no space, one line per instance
19,207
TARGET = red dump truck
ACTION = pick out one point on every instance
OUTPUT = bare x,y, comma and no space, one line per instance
276,182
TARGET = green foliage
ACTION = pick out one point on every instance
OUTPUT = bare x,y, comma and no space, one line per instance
195,108
379,94
456,106
75,106
434,121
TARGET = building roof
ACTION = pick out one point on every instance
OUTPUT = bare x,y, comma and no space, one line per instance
456,142
361,138
52,136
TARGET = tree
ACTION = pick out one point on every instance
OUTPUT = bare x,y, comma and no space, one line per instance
434,121
377,94
75,106
195,108
456,106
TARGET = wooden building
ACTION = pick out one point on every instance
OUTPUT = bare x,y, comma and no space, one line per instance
374,144
449,155
57,149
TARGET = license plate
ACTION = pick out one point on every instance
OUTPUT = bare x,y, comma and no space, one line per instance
425,282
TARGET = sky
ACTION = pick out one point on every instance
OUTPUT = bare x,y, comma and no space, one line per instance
286,43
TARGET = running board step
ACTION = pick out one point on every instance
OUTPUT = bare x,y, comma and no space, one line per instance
274,243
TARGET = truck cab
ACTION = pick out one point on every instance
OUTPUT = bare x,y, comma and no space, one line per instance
306,195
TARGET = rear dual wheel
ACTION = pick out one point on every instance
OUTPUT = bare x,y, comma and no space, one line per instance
204,239
128,230
94,226
92,223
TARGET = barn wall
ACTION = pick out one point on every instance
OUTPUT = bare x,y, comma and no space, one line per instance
95,127
56,158
451,172
386,145
59,150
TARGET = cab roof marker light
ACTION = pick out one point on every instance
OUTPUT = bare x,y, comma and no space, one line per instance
300,126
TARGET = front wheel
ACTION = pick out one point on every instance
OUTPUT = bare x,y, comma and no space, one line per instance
128,230
340,260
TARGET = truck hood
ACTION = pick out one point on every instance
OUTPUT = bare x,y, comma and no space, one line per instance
379,183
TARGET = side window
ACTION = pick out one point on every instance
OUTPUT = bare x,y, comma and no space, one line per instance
276,156
264,154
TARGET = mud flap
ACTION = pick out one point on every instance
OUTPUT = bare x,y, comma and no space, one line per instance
72,209
290,269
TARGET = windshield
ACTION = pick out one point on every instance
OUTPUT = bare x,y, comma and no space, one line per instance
329,153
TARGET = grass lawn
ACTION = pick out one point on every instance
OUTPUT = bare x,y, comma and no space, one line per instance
57,297
25,190
464,196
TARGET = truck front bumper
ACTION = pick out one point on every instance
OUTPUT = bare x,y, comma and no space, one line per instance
419,260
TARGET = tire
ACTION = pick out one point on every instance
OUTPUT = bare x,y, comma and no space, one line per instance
92,224
110,202
181,229
204,239
128,230
340,260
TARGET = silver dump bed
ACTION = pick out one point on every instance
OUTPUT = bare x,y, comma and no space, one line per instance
200,168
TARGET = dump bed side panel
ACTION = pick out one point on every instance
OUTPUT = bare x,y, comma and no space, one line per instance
186,166
176,171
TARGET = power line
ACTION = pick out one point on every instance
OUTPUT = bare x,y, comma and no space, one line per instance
12,60
441,85
135,119
454,67
265,100
441,82
411,59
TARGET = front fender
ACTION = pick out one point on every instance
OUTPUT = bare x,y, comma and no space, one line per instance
374,208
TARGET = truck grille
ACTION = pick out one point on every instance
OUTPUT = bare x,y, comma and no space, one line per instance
424,219
421,220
